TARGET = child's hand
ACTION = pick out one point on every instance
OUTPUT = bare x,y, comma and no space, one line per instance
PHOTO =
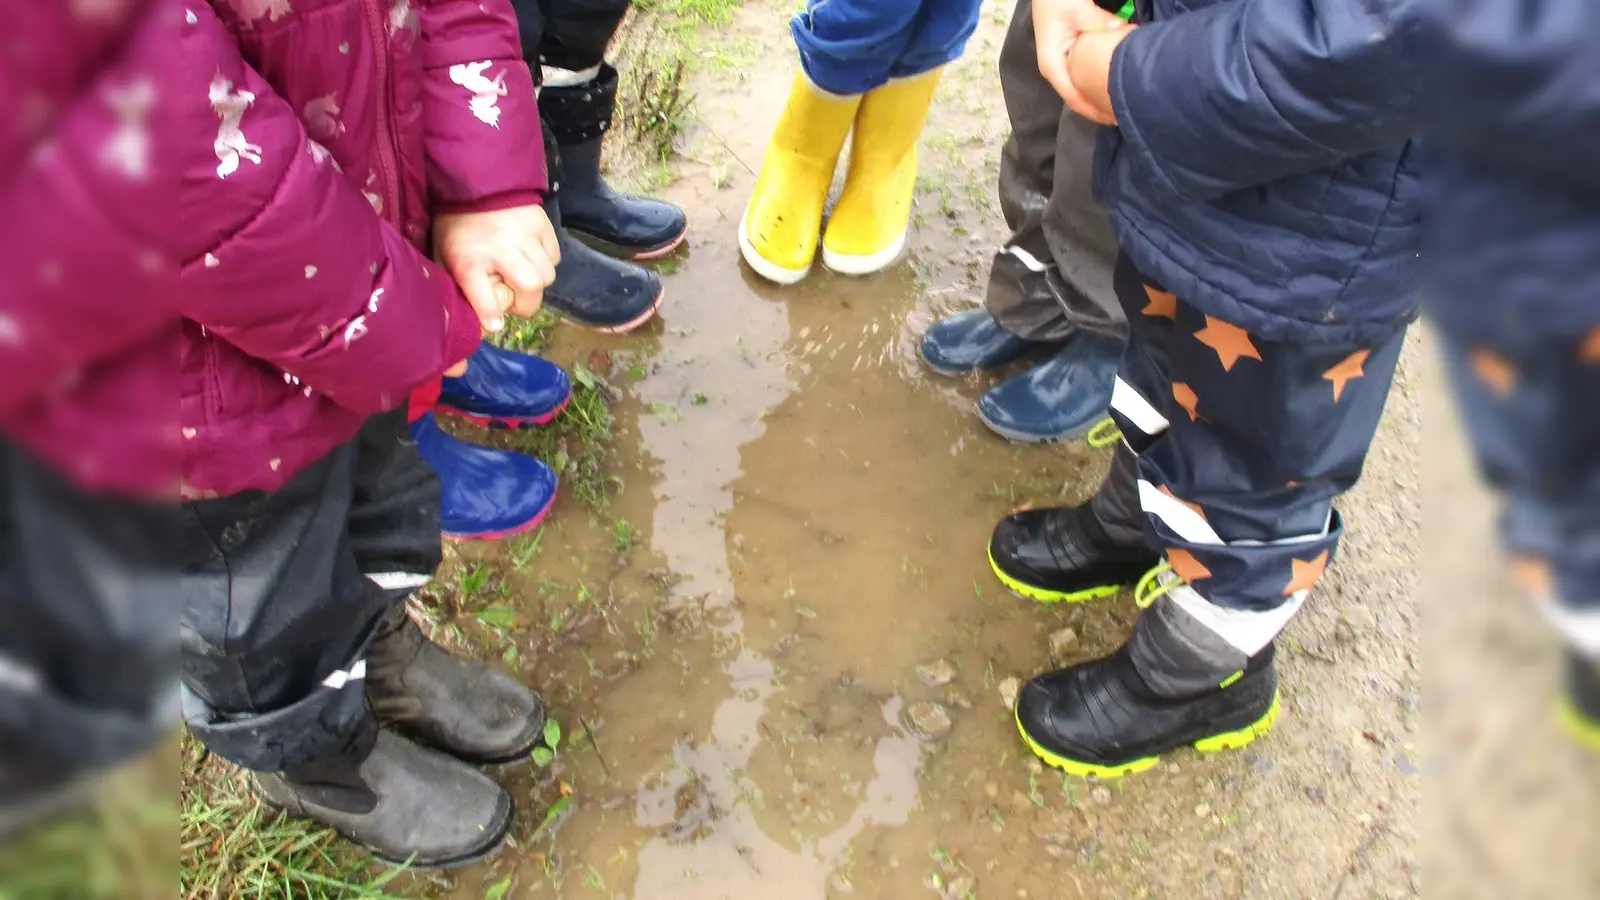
1057,26
1089,69
515,246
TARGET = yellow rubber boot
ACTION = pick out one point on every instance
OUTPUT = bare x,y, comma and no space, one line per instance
778,235
868,228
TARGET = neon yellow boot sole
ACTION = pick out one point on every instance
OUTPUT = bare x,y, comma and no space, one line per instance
1228,740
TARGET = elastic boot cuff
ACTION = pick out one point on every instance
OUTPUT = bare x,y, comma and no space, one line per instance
583,113
1176,656
335,780
1115,508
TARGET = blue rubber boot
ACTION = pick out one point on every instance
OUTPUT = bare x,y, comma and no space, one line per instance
592,289
506,389
487,493
970,341
1059,399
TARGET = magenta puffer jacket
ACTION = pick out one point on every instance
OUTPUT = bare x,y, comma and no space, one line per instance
234,199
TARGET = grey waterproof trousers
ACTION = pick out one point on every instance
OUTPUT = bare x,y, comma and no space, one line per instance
1053,277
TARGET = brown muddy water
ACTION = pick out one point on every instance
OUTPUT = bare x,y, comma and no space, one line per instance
811,508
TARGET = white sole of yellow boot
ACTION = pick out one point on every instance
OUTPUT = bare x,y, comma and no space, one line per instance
765,268
848,264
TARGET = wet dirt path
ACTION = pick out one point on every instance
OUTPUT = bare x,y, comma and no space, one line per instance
807,509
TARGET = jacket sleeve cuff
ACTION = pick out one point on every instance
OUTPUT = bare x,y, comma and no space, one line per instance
1134,52
463,333
507,200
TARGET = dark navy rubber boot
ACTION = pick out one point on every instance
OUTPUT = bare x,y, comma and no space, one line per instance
488,493
1059,399
506,389
620,225
972,341
592,289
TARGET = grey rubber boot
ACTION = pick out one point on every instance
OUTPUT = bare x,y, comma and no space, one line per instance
471,711
407,804
1116,504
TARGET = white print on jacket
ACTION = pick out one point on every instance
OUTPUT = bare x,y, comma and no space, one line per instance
321,116
486,94
373,197
357,328
129,147
251,10
403,18
231,143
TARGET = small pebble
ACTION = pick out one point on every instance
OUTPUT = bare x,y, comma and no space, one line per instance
1202,810
991,790
1020,802
1359,617
929,721
938,673
1062,644
960,888
1009,689
1101,795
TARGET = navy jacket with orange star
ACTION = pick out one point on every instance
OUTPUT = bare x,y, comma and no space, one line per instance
1261,167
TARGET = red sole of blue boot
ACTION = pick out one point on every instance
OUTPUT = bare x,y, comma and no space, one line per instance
528,526
508,422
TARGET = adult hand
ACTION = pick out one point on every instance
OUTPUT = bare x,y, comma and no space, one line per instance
1057,26
1089,68
516,247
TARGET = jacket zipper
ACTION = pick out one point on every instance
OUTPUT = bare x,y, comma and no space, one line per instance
386,160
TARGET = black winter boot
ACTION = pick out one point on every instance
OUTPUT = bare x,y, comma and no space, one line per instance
406,804
460,706
620,225
1173,684
1077,553
592,289
1580,709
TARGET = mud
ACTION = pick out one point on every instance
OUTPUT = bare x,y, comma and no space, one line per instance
811,508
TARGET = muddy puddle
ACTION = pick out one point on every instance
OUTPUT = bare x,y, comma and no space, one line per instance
798,524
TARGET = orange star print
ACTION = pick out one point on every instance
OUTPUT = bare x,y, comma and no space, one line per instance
1532,574
1187,567
1194,506
1346,371
1494,370
1589,353
1187,398
1162,303
1231,342
1305,573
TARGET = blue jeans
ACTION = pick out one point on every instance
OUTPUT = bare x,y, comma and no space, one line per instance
853,46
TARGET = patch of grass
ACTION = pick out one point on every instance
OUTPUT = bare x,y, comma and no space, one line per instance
660,103
698,12
120,848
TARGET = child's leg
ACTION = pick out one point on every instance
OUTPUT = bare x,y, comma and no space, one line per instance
278,618
460,706
1054,276
88,648
1528,401
1243,443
